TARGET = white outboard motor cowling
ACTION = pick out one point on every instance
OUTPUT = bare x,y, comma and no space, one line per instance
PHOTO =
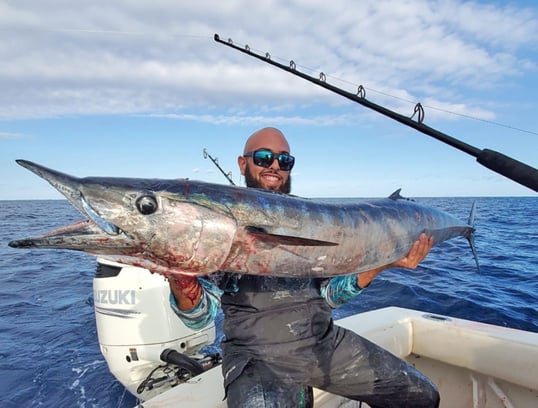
146,346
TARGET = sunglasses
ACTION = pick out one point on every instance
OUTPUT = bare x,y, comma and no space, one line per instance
265,158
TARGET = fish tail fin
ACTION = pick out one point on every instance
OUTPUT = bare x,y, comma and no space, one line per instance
470,236
470,221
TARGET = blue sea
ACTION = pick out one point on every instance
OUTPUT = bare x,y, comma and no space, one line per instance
49,353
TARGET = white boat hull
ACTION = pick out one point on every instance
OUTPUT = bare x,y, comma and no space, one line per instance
473,364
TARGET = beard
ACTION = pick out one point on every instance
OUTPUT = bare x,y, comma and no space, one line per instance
250,181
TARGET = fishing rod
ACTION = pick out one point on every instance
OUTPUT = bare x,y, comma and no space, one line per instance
513,169
216,163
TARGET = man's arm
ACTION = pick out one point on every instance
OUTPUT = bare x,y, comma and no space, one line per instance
196,301
416,254
341,289
187,291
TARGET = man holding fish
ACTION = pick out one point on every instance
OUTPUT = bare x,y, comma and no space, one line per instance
280,338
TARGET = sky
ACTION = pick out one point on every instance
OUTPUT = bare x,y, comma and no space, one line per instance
140,89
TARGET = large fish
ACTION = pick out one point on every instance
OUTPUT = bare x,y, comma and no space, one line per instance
196,228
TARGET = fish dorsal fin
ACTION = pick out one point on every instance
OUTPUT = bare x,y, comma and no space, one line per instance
277,239
396,195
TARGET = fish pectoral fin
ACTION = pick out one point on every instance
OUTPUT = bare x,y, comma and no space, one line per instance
276,239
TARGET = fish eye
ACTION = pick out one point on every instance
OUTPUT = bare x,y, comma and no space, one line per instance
146,204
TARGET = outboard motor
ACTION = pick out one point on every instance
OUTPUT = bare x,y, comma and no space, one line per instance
146,346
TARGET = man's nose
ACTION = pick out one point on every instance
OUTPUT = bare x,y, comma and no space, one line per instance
274,165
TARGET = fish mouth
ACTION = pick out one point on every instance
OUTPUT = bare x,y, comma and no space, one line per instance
84,235
94,216
78,235
94,235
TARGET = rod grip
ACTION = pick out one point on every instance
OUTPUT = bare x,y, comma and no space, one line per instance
511,168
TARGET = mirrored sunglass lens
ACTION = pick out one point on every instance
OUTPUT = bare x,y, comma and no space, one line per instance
285,161
263,158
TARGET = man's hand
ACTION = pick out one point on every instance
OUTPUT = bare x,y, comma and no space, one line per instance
186,290
418,252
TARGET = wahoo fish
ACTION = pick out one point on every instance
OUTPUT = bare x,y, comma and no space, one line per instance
181,226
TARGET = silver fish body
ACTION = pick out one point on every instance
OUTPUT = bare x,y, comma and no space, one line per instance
196,228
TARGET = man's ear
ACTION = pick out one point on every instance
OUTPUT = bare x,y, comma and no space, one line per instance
242,163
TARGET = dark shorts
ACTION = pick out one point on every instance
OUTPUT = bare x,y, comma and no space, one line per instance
342,363
258,387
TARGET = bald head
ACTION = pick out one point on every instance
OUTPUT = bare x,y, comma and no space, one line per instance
271,177
267,138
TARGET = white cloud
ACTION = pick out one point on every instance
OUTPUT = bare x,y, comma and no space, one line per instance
6,135
127,57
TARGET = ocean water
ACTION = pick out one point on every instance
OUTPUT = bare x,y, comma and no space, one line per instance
49,354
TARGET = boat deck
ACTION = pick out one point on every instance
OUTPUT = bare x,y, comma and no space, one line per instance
473,364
